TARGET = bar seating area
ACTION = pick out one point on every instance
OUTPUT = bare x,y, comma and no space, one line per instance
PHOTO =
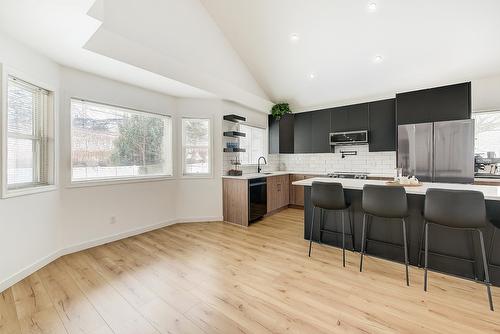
455,210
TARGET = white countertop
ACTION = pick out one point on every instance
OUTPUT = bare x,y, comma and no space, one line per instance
490,192
263,174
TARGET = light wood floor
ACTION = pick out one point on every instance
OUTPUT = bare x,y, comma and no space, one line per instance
219,278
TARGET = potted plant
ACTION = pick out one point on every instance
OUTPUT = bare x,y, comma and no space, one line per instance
279,110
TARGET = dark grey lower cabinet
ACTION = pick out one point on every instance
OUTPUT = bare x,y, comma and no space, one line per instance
302,136
382,126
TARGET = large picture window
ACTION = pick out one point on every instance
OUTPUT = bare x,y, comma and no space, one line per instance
196,146
254,143
109,143
29,133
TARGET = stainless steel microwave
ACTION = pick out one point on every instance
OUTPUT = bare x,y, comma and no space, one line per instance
349,138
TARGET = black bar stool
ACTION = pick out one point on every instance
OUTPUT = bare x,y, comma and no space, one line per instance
385,202
457,209
329,196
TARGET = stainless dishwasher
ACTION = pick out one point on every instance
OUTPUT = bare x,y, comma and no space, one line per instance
257,198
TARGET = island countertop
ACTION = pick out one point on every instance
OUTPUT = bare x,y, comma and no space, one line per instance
491,193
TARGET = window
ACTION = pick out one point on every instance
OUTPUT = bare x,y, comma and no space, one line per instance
487,137
196,146
29,134
254,143
109,142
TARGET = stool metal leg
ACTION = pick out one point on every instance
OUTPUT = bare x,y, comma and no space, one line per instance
473,247
486,271
343,240
426,253
352,228
421,244
406,252
311,234
321,222
363,236
490,252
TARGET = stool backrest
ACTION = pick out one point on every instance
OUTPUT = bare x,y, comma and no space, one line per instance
455,208
385,201
328,195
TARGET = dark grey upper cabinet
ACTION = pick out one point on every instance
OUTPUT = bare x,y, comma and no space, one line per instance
445,103
338,119
382,125
303,132
281,134
320,131
349,118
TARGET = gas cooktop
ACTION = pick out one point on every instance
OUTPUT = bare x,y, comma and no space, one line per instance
349,175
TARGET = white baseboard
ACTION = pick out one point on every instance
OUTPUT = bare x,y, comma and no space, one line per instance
10,281
22,274
199,219
114,237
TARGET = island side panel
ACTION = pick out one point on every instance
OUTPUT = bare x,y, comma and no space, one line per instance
235,201
441,240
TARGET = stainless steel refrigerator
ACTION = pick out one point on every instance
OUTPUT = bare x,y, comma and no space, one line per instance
437,152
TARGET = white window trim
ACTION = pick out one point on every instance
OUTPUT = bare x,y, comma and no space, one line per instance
53,122
266,143
211,150
109,181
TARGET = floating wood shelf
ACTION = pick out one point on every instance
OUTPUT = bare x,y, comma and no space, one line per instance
234,118
234,134
226,149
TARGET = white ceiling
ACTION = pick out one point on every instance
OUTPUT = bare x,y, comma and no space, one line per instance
60,28
240,50
423,43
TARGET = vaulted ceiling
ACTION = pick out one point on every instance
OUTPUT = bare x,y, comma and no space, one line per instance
422,43
311,53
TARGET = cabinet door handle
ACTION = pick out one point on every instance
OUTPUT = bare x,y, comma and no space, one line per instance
279,187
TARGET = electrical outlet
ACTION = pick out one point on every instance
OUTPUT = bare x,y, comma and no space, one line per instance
112,220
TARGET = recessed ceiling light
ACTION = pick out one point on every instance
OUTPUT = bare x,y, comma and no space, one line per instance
312,76
372,6
378,59
294,37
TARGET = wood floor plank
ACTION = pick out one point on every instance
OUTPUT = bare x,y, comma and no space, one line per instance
75,310
221,278
115,310
35,310
8,314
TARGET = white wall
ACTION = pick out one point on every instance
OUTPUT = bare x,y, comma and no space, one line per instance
86,212
486,94
29,231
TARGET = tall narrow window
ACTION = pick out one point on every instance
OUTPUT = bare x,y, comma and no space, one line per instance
109,143
196,146
29,136
254,143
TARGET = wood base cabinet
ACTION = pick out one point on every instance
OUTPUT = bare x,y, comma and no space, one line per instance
297,192
235,201
278,192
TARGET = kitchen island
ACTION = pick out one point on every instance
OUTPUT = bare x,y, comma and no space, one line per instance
446,246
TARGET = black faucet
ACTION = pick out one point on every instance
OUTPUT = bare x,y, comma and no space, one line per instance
258,164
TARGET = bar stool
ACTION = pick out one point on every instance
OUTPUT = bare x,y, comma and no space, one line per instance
456,209
329,196
384,202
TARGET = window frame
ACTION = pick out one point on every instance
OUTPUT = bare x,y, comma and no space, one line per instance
51,135
210,174
118,180
479,112
266,143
